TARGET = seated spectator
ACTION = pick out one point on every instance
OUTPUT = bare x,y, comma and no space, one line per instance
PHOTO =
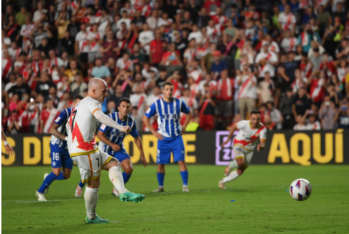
300,123
44,84
99,70
78,86
285,107
300,103
48,116
268,123
313,123
218,65
124,63
20,88
73,71
207,107
266,89
53,96
274,114
13,123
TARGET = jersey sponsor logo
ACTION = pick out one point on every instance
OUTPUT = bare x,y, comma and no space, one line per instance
169,116
103,126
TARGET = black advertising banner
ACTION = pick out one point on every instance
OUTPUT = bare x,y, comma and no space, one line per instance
305,148
282,147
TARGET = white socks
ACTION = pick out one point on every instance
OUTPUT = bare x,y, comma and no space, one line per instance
233,164
115,177
91,197
232,176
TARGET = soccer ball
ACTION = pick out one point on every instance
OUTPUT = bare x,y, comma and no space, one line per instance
300,189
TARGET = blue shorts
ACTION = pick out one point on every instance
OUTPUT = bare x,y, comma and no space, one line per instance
60,157
168,145
121,155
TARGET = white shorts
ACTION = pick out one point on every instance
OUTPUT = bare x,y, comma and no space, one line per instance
240,152
90,165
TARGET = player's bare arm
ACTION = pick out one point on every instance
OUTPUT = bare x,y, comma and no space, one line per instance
97,89
151,129
139,145
232,130
261,145
9,150
187,120
102,137
54,131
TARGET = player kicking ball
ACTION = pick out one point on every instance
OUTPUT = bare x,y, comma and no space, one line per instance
81,128
59,152
244,143
111,142
170,132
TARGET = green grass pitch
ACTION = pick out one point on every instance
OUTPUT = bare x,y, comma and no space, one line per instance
261,205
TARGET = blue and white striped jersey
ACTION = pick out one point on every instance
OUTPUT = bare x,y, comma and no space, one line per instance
168,116
61,120
114,135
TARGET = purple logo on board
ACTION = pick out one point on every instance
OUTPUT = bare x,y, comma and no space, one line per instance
226,154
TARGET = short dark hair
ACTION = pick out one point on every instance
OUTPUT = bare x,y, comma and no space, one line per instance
255,112
78,97
166,83
124,99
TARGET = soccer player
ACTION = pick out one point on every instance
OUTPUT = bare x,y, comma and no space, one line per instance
244,143
59,152
81,128
9,150
170,132
111,142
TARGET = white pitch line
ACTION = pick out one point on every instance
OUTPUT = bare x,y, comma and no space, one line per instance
35,201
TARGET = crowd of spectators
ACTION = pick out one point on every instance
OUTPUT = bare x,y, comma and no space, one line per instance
287,58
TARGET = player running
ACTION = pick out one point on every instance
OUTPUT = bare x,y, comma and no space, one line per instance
244,143
59,152
81,128
111,142
170,132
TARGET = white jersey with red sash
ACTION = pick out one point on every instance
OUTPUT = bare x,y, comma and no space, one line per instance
287,21
94,38
82,37
247,136
139,100
247,89
306,69
268,57
14,53
48,117
317,91
297,84
121,64
342,73
177,88
213,33
6,67
289,44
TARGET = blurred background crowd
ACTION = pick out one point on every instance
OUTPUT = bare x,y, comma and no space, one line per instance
287,58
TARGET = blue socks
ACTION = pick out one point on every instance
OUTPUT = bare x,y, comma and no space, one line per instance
126,177
48,180
81,185
184,175
61,177
161,177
